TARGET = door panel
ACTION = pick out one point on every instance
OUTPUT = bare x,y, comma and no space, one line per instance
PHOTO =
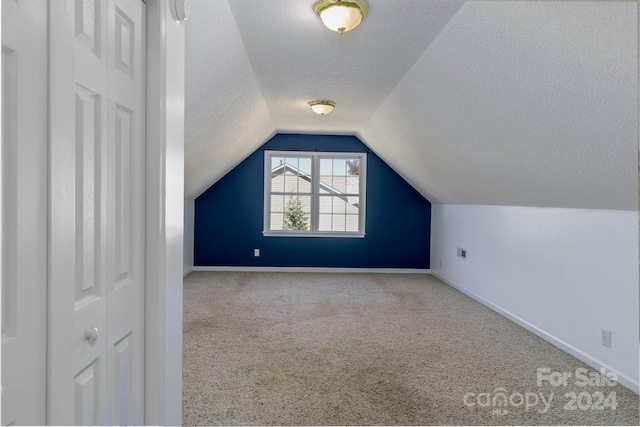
126,210
87,25
24,210
87,394
122,369
89,144
97,196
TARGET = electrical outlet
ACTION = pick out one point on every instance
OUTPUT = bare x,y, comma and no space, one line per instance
462,253
606,338
256,252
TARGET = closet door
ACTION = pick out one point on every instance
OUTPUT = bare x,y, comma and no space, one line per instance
24,211
96,299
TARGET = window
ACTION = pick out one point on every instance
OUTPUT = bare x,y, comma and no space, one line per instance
314,194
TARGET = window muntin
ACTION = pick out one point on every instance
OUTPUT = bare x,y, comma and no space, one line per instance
314,194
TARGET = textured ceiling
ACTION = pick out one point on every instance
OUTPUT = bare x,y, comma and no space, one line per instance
226,117
504,103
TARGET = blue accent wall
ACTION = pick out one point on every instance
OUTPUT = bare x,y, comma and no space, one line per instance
229,216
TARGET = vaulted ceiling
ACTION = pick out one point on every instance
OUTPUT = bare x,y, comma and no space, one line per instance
527,103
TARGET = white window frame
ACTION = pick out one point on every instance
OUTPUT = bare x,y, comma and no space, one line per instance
315,193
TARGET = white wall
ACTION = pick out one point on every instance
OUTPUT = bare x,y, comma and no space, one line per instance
564,274
189,217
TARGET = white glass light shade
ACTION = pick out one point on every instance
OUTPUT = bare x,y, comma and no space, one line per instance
341,16
322,107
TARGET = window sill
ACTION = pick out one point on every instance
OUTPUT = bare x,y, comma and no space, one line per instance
311,234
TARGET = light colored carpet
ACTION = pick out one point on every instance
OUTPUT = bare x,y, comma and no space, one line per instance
368,349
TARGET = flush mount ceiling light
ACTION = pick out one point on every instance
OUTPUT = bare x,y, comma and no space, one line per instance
322,107
341,15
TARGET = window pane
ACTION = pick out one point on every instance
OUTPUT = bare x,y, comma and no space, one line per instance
326,205
353,185
324,223
339,205
338,223
352,223
353,167
276,161
277,220
277,183
353,205
289,184
340,176
326,167
289,179
339,184
326,184
339,167
297,213
292,161
293,182
277,203
304,184
305,165
305,204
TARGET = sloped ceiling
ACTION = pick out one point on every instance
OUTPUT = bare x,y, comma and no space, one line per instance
502,103
226,116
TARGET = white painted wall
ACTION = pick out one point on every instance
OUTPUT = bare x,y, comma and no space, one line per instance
165,210
189,217
564,274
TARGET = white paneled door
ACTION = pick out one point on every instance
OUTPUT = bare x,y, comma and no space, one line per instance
24,211
96,264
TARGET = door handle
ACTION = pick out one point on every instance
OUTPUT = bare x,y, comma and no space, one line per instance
92,334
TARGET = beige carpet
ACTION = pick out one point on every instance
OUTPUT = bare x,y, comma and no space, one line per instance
370,349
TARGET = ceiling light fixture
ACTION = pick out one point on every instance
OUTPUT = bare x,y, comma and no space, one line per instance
341,15
322,107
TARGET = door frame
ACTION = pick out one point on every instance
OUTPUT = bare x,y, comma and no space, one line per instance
164,213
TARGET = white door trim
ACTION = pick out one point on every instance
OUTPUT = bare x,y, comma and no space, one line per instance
165,210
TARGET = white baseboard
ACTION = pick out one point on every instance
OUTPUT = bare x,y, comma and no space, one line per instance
630,383
187,270
314,270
